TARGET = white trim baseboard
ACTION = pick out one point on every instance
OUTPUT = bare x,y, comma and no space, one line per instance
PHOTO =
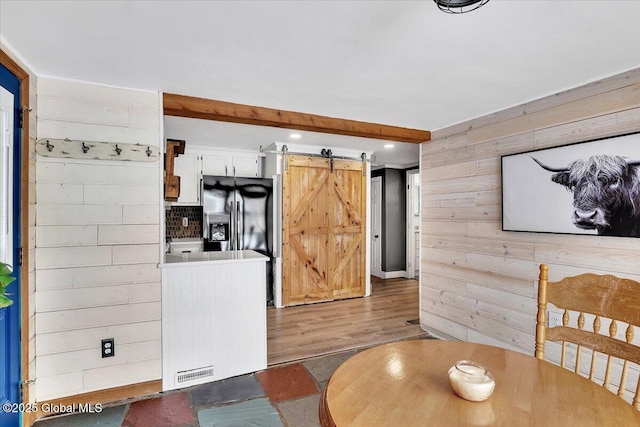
438,334
393,274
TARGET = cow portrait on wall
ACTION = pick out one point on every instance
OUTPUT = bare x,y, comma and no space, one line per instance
598,191
606,193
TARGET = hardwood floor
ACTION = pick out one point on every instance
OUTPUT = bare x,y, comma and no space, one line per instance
300,332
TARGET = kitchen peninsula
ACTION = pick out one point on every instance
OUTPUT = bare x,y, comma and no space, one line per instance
213,316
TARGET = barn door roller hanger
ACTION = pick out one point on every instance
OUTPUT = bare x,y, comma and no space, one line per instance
326,153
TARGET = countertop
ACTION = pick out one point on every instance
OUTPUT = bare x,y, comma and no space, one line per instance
203,258
186,240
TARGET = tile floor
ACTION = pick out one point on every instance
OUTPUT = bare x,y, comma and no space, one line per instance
286,396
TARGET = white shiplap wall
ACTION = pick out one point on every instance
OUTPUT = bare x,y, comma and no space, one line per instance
479,283
97,243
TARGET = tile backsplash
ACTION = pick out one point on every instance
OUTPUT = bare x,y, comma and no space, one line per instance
173,222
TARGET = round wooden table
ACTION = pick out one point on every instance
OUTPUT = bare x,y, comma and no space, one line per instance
406,384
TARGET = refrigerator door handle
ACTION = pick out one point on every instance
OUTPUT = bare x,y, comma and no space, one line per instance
232,227
205,226
239,228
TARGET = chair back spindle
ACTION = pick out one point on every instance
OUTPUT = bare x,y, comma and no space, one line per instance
608,299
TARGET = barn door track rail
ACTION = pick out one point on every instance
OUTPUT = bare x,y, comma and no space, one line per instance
326,153
95,150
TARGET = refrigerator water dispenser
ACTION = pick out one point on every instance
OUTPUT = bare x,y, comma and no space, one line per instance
219,232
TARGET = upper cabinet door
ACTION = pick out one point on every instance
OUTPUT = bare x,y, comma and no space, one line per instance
245,166
216,165
186,166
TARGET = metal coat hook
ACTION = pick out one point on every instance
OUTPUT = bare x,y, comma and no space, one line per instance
50,146
149,152
85,148
118,150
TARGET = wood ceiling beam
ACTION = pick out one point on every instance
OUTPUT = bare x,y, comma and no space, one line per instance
200,108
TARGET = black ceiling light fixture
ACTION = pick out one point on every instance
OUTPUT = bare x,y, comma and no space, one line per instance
459,6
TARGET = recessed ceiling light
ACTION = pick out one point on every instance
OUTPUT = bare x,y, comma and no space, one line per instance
388,145
295,136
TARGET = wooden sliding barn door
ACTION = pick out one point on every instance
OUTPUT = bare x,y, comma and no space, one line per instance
305,230
323,230
347,235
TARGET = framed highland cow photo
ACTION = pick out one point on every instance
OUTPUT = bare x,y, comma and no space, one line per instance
591,187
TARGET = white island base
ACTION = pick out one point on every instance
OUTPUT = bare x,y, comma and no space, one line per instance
213,316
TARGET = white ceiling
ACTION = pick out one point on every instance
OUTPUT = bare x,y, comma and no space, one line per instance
401,63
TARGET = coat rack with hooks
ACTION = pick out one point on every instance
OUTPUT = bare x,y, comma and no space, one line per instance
94,150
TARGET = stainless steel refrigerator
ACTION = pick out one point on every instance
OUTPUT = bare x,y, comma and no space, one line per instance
238,215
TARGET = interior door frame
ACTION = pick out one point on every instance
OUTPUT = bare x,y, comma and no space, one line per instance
25,333
376,271
10,316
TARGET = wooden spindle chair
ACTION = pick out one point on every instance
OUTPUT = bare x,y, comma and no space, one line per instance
604,296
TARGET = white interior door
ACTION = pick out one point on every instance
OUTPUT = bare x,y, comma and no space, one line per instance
413,223
376,226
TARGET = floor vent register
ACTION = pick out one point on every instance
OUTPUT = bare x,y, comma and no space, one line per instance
194,374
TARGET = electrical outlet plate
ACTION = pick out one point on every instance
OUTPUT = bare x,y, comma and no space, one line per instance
108,348
555,319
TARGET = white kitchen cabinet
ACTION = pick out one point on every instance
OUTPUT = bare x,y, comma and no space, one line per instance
215,165
187,167
200,161
245,166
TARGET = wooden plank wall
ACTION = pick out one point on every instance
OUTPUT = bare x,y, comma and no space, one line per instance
97,243
478,283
